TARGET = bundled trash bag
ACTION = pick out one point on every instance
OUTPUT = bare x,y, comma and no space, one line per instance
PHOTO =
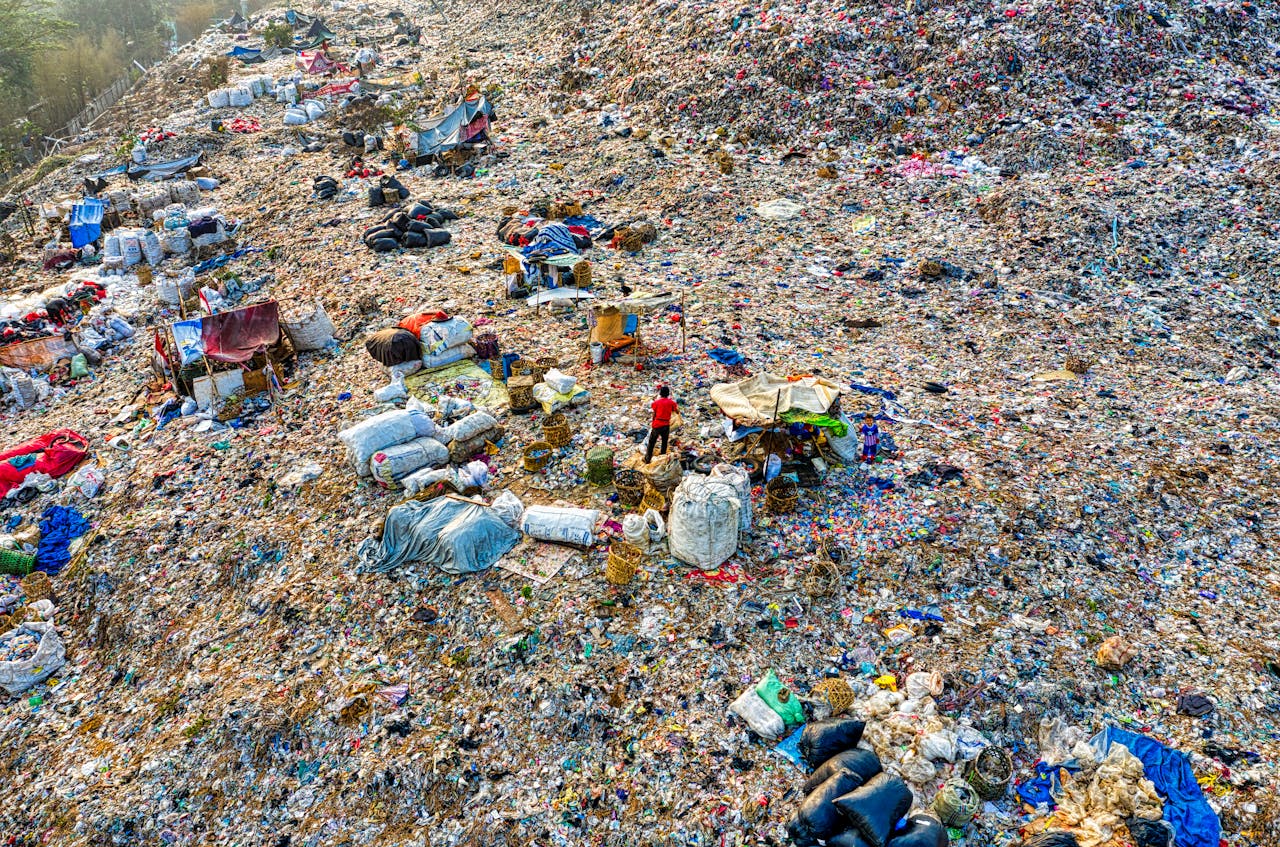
780,698
821,740
393,346
864,763
848,838
817,816
415,229
875,808
1052,839
920,831
324,187
749,706
1147,833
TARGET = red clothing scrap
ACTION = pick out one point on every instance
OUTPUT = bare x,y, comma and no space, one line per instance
663,408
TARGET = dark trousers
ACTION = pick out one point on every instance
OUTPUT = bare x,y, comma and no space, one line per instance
665,432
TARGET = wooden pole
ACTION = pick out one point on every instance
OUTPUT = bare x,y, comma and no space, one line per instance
682,320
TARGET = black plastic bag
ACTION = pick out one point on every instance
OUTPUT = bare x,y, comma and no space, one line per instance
1150,833
920,831
393,346
420,210
412,240
376,198
1052,839
848,838
438,237
821,740
384,245
378,232
817,817
876,807
864,763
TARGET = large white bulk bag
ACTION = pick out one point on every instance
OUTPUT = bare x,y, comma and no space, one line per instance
16,677
560,524
740,479
377,433
219,98
703,523
151,248
849,448
448,357
130,248
438,336
392,464
314,109
468,428
294,117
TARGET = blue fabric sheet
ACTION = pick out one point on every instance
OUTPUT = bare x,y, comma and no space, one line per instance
726,356
59,526
871,389
86,222
1194,821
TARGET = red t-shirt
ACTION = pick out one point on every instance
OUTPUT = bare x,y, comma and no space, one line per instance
662,409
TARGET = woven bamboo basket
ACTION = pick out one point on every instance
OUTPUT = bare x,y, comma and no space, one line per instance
989,774
495,368
521,367
536,456
37,586
486,344
837,693
781,495
556,430
623,561
822,579
1077,365
630,487
537,370
956,804
522,398
653,499
16,562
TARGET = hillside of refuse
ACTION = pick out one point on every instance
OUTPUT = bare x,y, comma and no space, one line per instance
335,508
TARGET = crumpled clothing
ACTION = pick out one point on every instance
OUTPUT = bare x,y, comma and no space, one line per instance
1117,791
59,526
1194,704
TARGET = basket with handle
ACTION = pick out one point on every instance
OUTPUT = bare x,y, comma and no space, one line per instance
37,586
521,398
556,430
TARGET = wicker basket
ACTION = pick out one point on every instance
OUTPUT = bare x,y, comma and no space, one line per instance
556,430
16,562
837,692
37,586
599,466
630,486
989,774
495,368
537,370
522,367
486,344
822,579
622,563
781,495
522,398
536,456
1077,365
653,499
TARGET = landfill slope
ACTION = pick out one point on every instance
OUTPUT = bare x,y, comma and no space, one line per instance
964,219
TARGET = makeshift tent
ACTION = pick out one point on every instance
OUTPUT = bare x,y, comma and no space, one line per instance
235,336
248,55
764,399
163,170
237,21
316,62
54,453
318,31
86,221
466,123
456,535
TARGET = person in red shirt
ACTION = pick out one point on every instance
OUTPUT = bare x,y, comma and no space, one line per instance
663,408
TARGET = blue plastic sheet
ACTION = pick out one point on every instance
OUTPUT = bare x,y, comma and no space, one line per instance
726,356
86,222
1193,819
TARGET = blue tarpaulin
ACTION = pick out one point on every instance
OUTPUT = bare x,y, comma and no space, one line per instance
1194,821
86,222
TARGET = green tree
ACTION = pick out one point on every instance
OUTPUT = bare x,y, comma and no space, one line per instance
26,28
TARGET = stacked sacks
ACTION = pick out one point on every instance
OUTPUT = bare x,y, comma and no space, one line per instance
380,432
444,340
768,707
324,187
849,801
388,192
419,227
468,437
